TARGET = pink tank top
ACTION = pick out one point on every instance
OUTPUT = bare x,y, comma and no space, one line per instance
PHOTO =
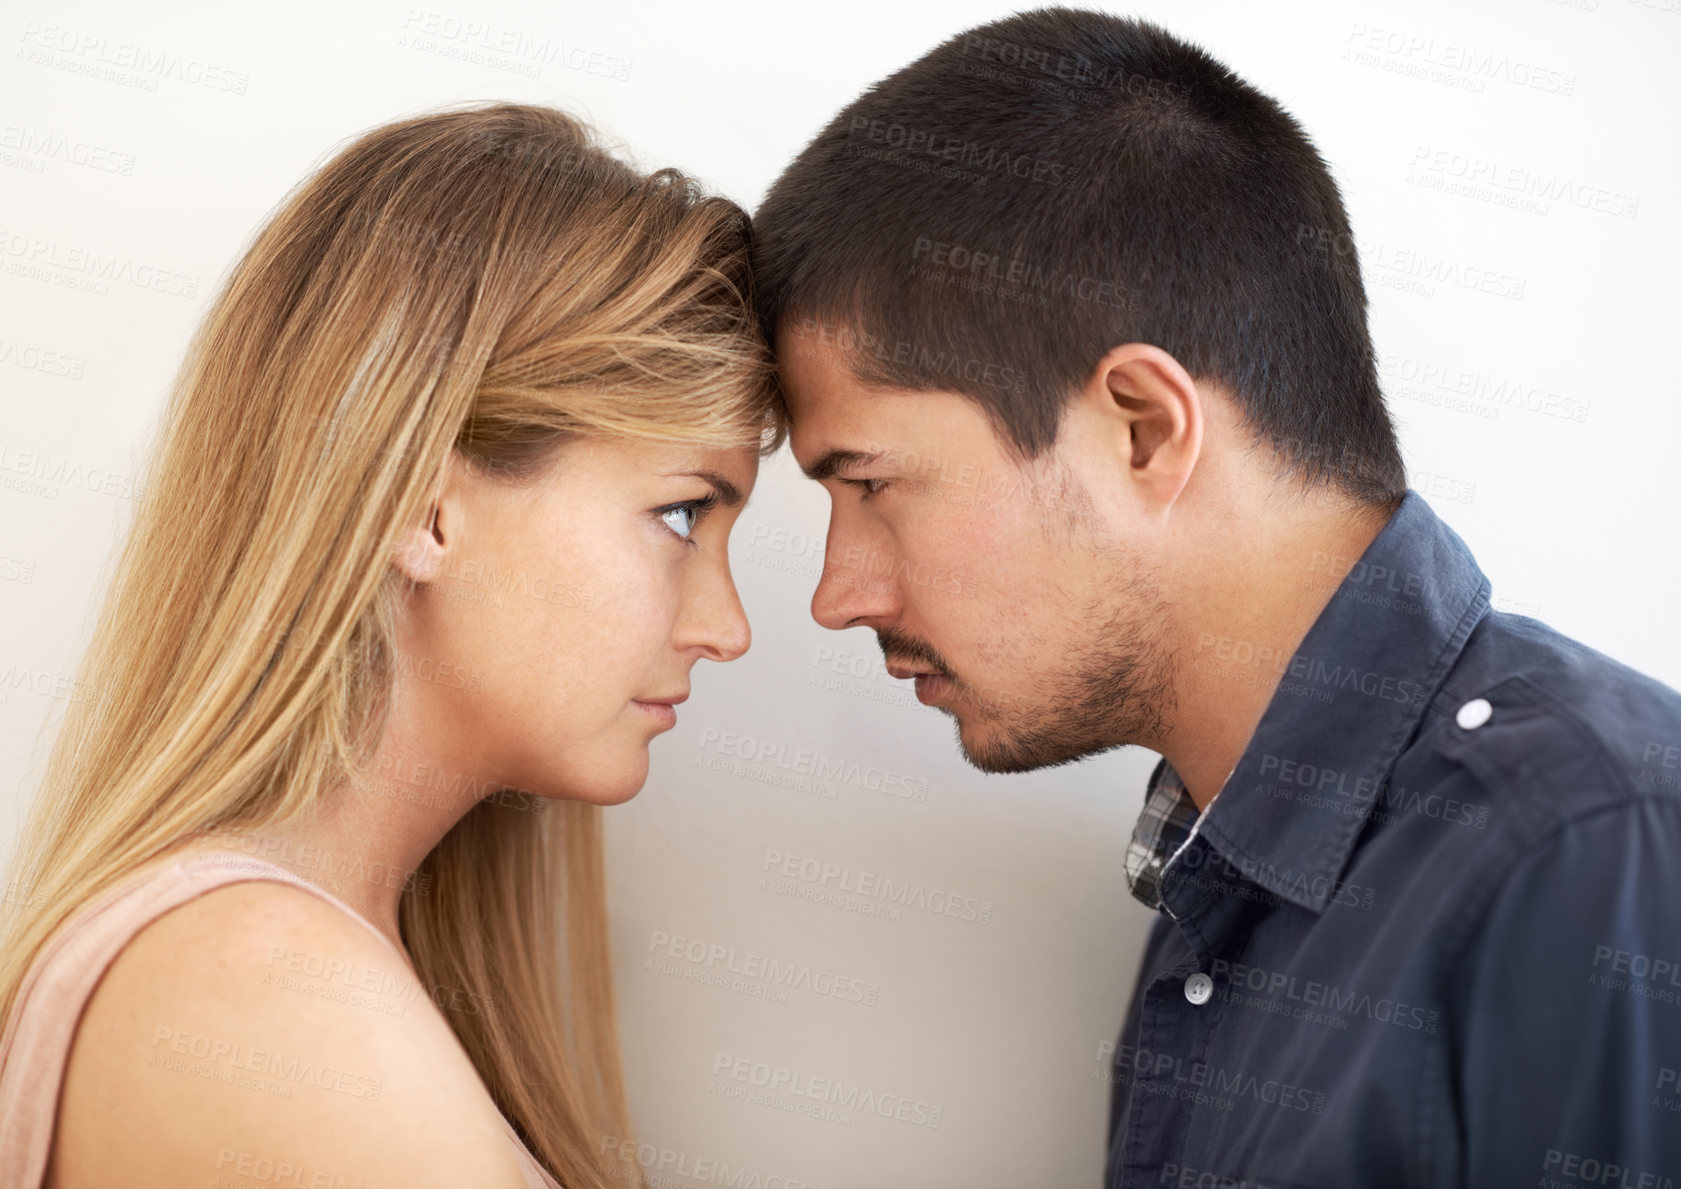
36,1044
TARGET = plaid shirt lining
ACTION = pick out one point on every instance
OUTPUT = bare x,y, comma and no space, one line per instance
1169,821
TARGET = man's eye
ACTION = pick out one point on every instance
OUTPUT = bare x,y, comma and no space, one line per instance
867,487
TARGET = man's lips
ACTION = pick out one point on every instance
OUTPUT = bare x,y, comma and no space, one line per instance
899,670
930,683
930,686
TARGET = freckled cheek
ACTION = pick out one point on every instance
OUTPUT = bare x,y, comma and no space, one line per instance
625,621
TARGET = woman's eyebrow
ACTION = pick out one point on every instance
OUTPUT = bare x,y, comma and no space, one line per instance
728,493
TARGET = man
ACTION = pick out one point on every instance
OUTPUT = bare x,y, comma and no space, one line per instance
1072,330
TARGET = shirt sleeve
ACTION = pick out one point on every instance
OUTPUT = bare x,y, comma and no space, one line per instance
1569,1009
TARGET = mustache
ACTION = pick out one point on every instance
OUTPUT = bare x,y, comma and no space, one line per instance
897,645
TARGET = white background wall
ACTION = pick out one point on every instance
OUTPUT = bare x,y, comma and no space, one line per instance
997,1024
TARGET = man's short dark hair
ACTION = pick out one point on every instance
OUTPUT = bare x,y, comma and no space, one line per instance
997,215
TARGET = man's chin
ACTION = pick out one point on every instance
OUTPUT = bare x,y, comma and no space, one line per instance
991,742
991,748
988,750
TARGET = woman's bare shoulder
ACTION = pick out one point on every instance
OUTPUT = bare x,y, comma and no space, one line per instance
260,1026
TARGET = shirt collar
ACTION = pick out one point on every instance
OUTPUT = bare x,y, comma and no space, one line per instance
1168,821
1347,702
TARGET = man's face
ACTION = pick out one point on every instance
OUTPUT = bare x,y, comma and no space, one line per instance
1023,614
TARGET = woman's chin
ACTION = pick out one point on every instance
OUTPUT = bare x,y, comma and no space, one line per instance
606,776
623,782
620,795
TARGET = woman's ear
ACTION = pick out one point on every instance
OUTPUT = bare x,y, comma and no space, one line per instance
420,552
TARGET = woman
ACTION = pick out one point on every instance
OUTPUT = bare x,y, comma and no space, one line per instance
312,892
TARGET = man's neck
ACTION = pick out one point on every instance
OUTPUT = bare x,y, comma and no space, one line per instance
1275,576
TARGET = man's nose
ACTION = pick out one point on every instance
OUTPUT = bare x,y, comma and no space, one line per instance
857,587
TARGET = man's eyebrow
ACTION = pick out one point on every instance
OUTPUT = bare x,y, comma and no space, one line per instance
835,460
728,493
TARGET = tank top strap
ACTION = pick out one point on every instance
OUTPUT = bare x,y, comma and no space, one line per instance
243,867
35,1046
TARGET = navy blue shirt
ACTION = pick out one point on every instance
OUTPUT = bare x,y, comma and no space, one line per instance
1428,932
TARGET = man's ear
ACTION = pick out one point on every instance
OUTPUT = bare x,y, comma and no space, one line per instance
422,548
1154,412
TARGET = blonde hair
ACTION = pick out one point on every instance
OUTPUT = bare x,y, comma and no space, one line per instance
485,279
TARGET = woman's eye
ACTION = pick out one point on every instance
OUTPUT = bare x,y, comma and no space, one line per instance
681,520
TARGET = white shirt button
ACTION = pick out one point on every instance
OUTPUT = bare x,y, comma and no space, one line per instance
1474,714
1198,988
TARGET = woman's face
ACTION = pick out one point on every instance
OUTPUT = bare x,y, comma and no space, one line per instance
551,614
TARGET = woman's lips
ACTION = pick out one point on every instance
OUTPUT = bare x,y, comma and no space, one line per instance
665,714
